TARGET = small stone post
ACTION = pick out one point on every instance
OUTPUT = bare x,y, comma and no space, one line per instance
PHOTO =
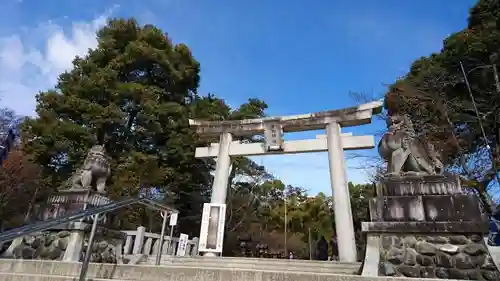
194,250
139,240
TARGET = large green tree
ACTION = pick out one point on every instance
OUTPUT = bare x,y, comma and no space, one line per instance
134,93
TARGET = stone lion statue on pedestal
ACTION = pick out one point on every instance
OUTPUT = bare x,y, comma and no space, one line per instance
94,171
405,152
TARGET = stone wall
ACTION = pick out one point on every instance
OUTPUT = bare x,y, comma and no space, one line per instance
48,245
103,251
52,245
463,257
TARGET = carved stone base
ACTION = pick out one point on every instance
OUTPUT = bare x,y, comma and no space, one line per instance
429,208
420,185
427,227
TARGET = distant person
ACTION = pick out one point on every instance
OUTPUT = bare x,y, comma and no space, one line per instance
291,256
322,249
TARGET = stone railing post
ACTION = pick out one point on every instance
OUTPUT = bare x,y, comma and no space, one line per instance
194,249
148,246
166,245
173,247
127,249
139,240
155,246
119,251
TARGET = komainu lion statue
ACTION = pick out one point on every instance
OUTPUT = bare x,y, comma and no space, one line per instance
405,152
94,171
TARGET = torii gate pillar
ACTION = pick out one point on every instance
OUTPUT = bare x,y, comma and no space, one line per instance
341,198
219,187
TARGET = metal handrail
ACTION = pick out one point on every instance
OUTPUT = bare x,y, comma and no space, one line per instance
94,212
44,225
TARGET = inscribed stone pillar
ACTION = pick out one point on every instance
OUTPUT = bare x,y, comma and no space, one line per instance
341,198
219,188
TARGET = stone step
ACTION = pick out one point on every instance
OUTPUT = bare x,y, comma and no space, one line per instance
258,266
269,264
338,270
37,277
252,263
224,260
126,272
215,274
253,260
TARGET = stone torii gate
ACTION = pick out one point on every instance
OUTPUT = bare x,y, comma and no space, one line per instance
212,228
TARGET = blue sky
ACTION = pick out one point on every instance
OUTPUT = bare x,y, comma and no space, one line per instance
298,56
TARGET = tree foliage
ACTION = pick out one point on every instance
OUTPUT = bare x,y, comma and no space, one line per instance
19,177
19,188
134,93
307,217
436,96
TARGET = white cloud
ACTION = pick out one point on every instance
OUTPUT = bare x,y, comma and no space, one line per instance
31,61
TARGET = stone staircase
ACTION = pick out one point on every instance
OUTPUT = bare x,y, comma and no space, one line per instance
195,269
185,270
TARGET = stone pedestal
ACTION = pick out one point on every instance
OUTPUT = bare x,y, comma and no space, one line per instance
427,227
67,202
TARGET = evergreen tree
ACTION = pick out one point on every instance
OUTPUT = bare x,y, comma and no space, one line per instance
132,94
